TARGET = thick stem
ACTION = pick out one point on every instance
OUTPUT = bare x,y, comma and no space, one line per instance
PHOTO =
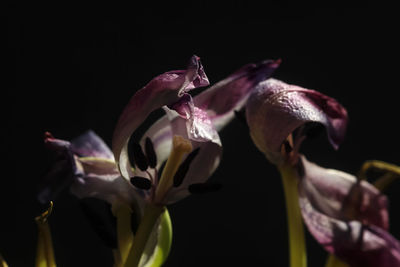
124,233
297,245
334,262
149,219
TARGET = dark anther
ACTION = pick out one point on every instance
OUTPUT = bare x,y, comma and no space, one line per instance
141,182
204,188
139,157
98,213
150,153
184,167
287,146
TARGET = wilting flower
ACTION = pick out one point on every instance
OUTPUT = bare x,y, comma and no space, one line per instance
86,165
278,115
348,217
196,120
187,136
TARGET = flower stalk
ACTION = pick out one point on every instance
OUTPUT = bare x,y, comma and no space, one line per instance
334,262
297,245
151,215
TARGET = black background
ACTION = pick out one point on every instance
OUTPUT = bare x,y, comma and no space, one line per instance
74,68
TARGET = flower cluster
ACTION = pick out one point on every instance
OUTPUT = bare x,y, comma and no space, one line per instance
178,153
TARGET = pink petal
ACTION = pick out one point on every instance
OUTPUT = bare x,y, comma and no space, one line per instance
165,89
275,109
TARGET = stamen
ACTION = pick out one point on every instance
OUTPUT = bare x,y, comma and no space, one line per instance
150,153
139,157
141,182
180,146
202,188
184,167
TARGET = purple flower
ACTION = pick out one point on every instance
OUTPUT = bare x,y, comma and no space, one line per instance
189,129
348,217
278,115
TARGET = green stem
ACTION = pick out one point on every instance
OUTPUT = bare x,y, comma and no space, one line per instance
297,245
334,262
149,219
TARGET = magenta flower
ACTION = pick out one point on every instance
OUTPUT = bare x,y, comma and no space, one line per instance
276,109
348,217
196,120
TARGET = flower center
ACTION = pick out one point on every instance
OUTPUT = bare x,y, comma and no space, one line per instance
180,147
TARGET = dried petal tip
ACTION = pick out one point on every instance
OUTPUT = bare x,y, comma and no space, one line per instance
42,218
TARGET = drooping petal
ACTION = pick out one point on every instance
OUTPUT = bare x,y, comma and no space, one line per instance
275,109
90,144
353,242
340,195
352,228
165,89
219,102
102,180
62,171
222,99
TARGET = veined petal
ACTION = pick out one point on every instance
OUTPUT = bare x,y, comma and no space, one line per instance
359,238
331,192
275,109
222,99
353,242
90,144
219,102
165,89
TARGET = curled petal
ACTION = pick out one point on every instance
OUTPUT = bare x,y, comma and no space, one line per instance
347,217
341,196
90,144
219,102
275,109
63,169
165,89
230,94
353,242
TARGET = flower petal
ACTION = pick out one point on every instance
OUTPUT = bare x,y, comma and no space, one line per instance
63,169
165,89
330,192
102,180
360,239
219,102
230,94
207,159
275,109
90,144
352,241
